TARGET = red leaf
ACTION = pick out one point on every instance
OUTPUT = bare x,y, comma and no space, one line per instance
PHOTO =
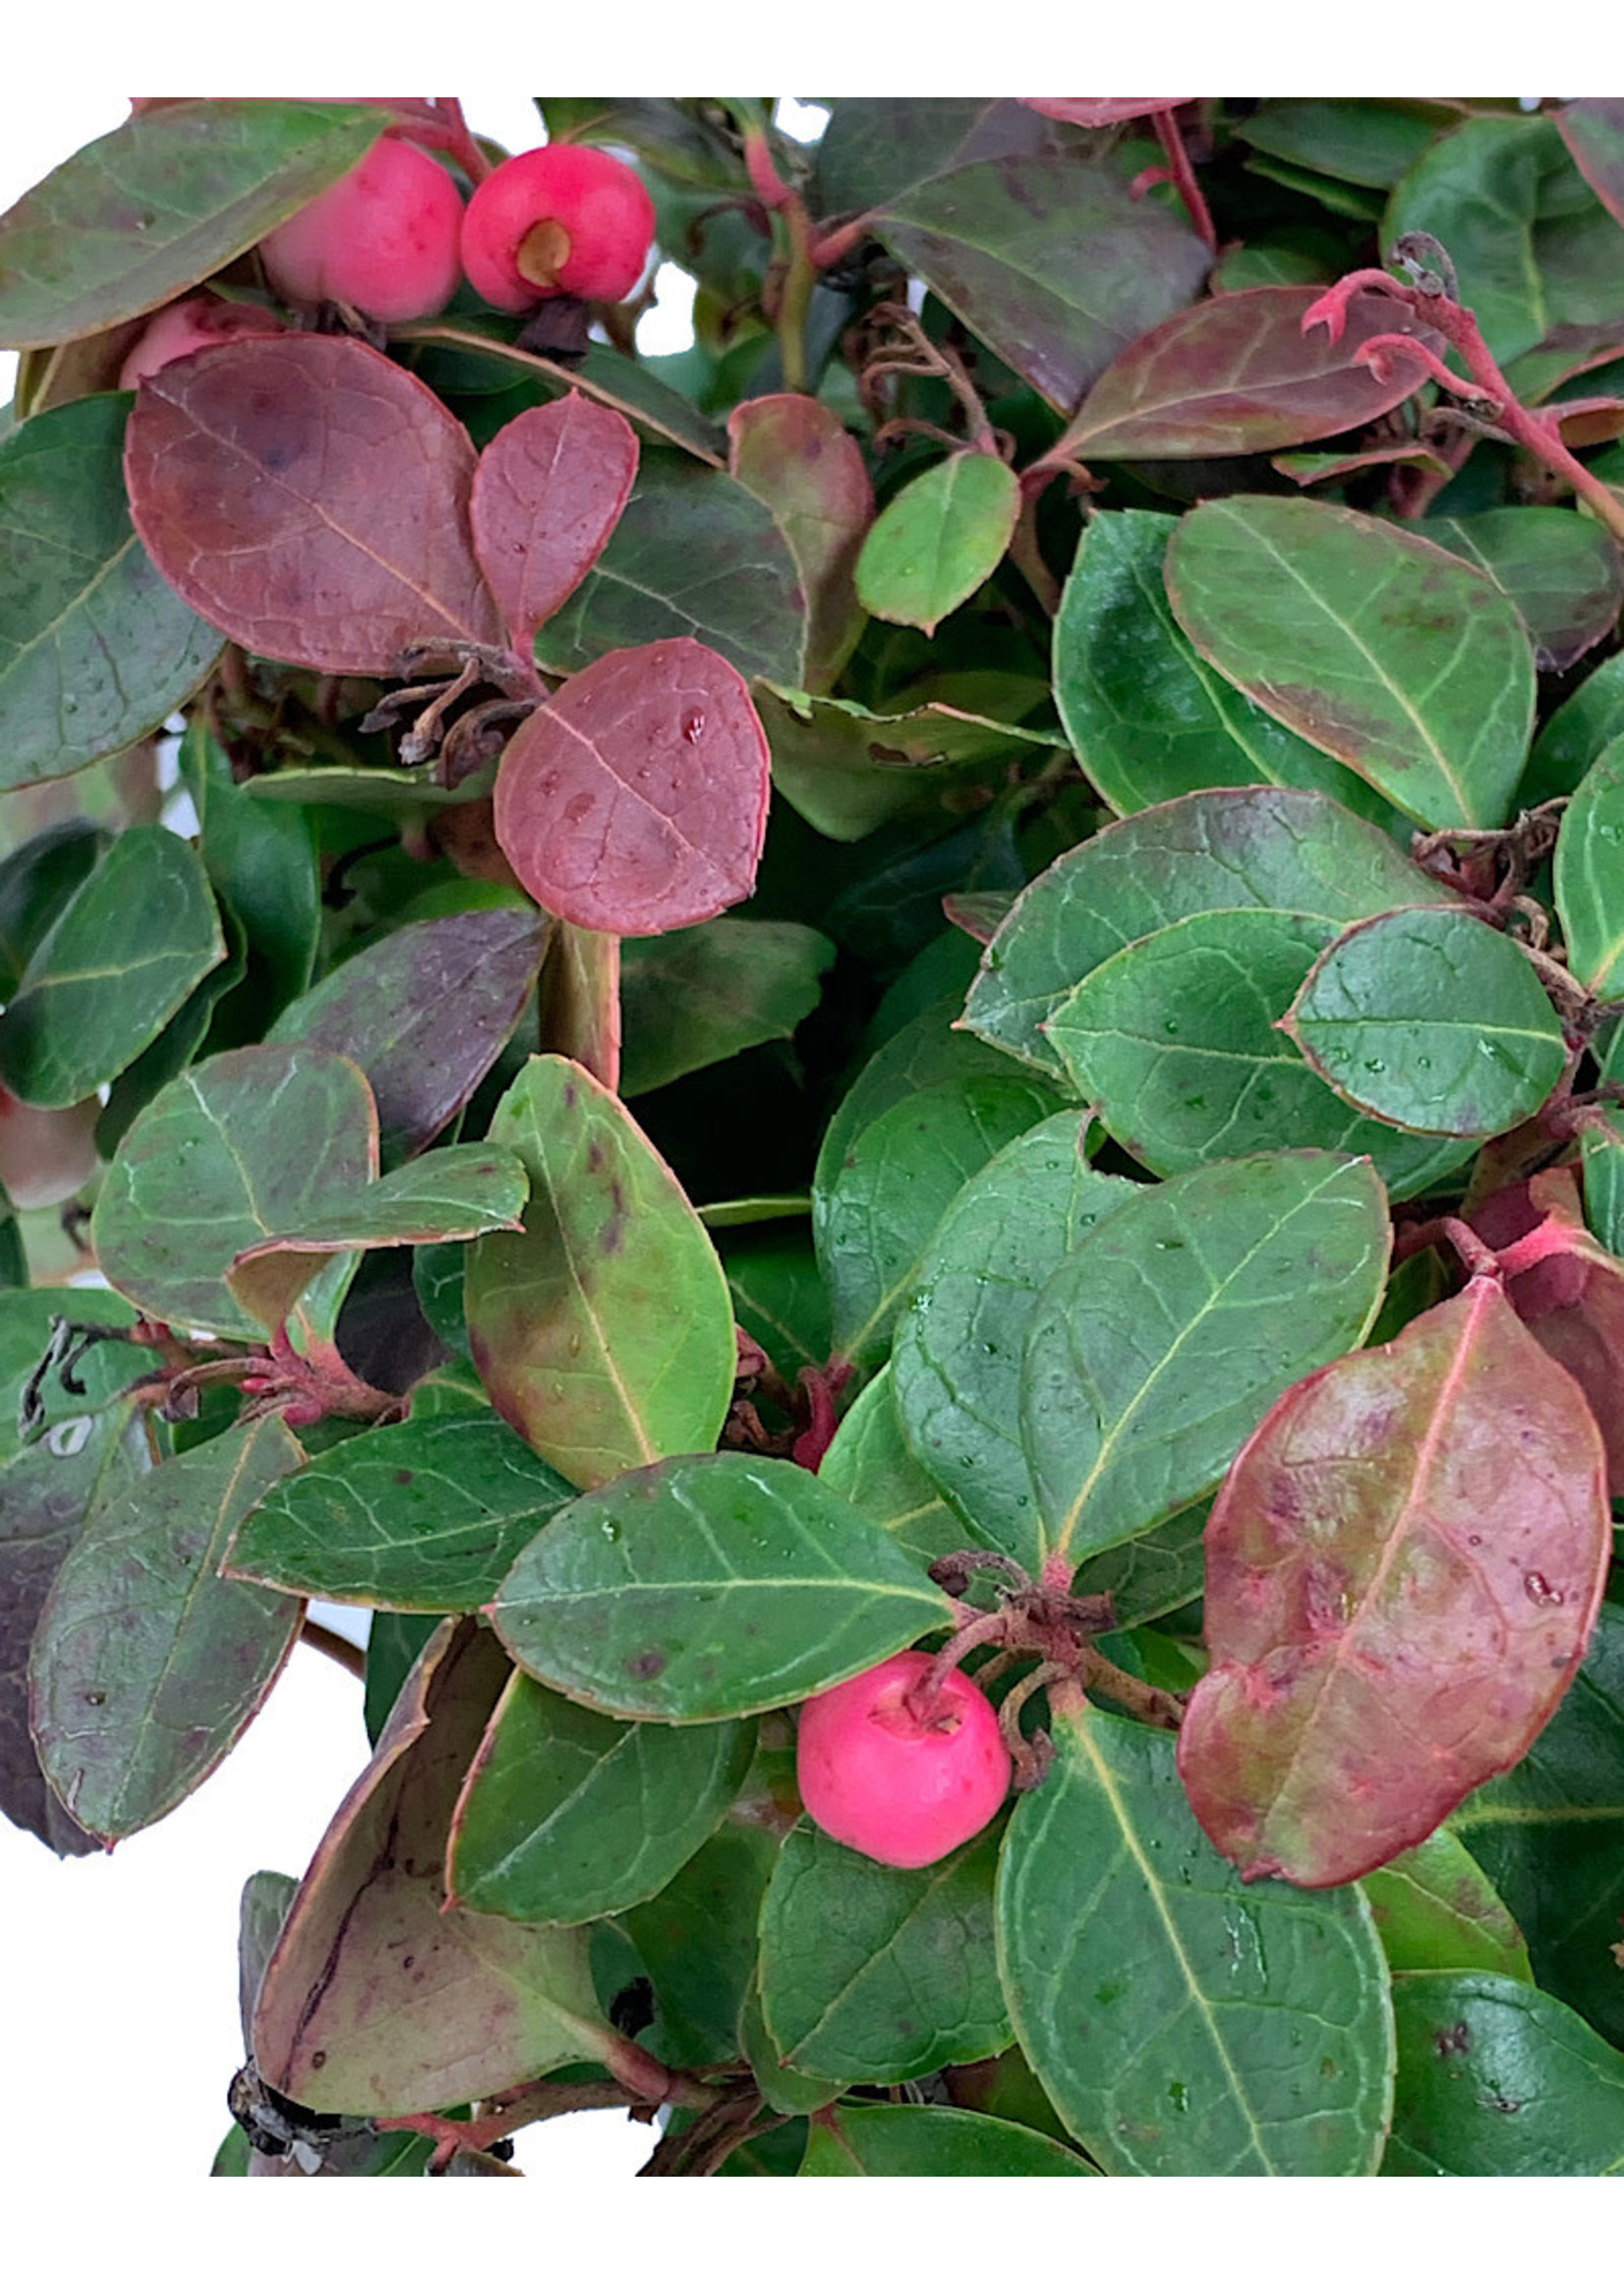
1403,1570
548,490
1568,1290
1239,374
636,800
310,499
795,455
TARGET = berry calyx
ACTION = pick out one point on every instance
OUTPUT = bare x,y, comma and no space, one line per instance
900,1783
563,218
386,240
187,326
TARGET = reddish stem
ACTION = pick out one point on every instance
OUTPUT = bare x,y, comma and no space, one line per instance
1183,175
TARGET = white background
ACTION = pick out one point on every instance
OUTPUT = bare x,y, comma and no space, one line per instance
119,2030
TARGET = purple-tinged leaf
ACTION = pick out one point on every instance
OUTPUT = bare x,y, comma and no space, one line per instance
490,2003
578,1009
1594,131
1561,571
309,498
1238,374
1307,467
1403,1570
1567,1290
1089,110
635,800
424,1013
546,492
795,455
147,1666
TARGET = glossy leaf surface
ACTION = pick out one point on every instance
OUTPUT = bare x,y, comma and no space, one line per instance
1181,2023
424,1011
937,544
875,1973
1239,375
861,2141
1435,1908
167,198
1171,1327
957,1363
1560,570
1218,848
1497,2079
425,1515
869,1464
1336,625
147,1665
900,1173
96,650
1589,877
493,2002
1403,1569
546,492
566,1817
1177,1040
603,1329
1149,717
244,500
112,971
1433,1021
636,800
706,1587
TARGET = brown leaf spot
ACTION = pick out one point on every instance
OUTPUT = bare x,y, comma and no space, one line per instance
646,1665
1455,2039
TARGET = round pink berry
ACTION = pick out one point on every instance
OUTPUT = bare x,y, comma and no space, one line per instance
386,240
902,1787
564,218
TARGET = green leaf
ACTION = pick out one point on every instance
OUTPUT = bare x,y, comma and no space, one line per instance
1435,1908
956,1368
605,376
566,1817
146,1665
1497,2080
868,1463
1157,1572
693,555
1576,735
1532,248
1177,1040
706,1587
424,1013
1367,142
112,971
1560,570
847,769
603,1329
924,1052
690,999
1550,1836
871,1224
1289,849
425,1515
861,2142
790,2090
1238,1280
697,1942
877,1974
1411,666
261,859
169,196
939,541
1148,718
777,1295
36,883
997,242
1183,2023
455,1194
1589,877
1431,1020
493,2003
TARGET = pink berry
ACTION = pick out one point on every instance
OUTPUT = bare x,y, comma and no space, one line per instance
903,1788
565,218
188,325
386,240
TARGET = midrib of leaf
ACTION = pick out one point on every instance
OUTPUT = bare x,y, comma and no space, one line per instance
791,2052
